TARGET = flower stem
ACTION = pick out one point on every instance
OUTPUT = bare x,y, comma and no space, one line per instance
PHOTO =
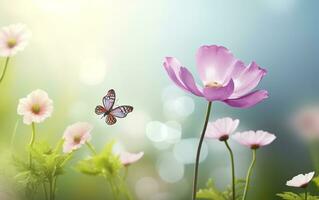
45,191
306,193
92,149
249,174
4,69
232,169
32,142
199,150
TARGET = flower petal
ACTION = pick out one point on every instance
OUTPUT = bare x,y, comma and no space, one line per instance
248,100
215,64
219,93
189,82
246,78
172,67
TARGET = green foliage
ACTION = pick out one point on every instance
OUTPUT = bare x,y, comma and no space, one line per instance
294,196
212,193
107,165
47,163
316,181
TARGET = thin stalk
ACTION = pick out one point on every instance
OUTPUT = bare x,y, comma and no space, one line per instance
306,193
125,173
50,189
45,191
92,149
32,142
199,150
54,187
314,156
14,134
249,173
4,69
232,169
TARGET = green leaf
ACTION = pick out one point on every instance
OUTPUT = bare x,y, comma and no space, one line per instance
316,181
240,186
210,192
294,196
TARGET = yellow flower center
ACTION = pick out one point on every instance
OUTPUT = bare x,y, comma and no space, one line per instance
36,109
213,84
11,42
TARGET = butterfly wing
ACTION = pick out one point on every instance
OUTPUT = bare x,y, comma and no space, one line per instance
100,110
121,111
110,119
108,100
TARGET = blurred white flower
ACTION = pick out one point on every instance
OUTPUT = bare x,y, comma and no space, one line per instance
253,139
300,180
36,107
306,121
128,158
13,38
76,135
221,128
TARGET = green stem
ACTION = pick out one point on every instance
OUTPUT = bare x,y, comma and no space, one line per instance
92,149
306,193
14,134
314,156
232,169
54,187
32,142
45,191
4,69
125,173
199,150
249,174
50,189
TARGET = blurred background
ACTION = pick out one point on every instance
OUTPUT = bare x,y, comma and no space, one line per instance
80,49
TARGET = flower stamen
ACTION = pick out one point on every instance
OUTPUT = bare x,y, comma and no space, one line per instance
12,42
36,109
213,84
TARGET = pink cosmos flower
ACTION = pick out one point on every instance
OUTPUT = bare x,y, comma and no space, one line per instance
306,121
76,135
128,158
221,128
36,107
300,180
253,139
13,38
224,77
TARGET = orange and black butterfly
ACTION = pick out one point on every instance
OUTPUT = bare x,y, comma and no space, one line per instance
109,112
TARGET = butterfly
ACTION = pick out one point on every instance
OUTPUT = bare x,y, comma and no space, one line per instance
108,111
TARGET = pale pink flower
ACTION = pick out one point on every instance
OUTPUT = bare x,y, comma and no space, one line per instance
221,128
253,139
128,158
76,135
300,180
306,121
13,38
36,107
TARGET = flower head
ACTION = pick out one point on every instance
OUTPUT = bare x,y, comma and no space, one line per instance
306,122
128,158
253,139
300,180
36,107
221,128
13,38
224,77
76,135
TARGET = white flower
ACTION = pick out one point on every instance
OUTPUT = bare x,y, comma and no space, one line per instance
128,158
300,180
306,121
76,135
253,139
221,128
13,38
36,107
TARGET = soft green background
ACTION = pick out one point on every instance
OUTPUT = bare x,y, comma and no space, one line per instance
80,49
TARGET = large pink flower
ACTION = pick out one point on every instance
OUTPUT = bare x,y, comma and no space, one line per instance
76,135
224,77
36,107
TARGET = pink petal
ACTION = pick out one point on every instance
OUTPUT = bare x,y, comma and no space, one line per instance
215,64
189,82
246,78
248,100
172,67
219,93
